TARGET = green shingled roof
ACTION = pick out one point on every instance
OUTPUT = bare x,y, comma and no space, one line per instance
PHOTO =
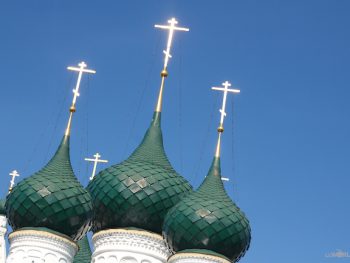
84,253
208,219
2,207
52,198
139,191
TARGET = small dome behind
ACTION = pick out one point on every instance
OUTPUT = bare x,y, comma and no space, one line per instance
208,219
51,198
84,253
139,191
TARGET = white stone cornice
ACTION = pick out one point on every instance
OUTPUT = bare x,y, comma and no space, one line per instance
129,244
40,234
3,230
40,245
189,257
3,221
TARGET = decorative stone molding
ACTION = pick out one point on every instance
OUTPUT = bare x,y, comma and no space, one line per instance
3,230
33,246
196,258
3,222
129,246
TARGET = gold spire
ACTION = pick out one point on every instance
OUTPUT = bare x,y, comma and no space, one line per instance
81,69
225,90
171,27
13,174
218,145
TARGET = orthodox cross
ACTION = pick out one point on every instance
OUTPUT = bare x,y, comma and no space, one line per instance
225,90
13,174
171,27
96,160
81,69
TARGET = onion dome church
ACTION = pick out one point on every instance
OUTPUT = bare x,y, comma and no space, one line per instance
139,210
132,198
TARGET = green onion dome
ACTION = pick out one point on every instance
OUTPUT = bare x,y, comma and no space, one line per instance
208,219
2,207
139,191
52,198
84,253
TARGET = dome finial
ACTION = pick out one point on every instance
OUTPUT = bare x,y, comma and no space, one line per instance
13,174
225,90
82,69
171,27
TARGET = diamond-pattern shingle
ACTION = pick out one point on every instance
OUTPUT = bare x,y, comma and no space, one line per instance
208,219
139,191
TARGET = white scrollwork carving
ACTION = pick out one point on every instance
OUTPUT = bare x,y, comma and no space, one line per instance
3,221
40,246
126,245
3,230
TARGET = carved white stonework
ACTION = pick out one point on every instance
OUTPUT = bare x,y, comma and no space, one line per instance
196,258
3,221
129,246
34,246
3,230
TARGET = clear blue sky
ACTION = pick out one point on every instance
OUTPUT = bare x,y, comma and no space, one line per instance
288,155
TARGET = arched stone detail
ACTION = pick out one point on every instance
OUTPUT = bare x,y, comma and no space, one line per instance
112,259
128,259
100,260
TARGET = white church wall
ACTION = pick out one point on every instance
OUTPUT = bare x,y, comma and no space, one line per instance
3,230
129,246
196,258
32,246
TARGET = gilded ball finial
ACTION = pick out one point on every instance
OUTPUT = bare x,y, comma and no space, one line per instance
164,73
221,129
72,109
